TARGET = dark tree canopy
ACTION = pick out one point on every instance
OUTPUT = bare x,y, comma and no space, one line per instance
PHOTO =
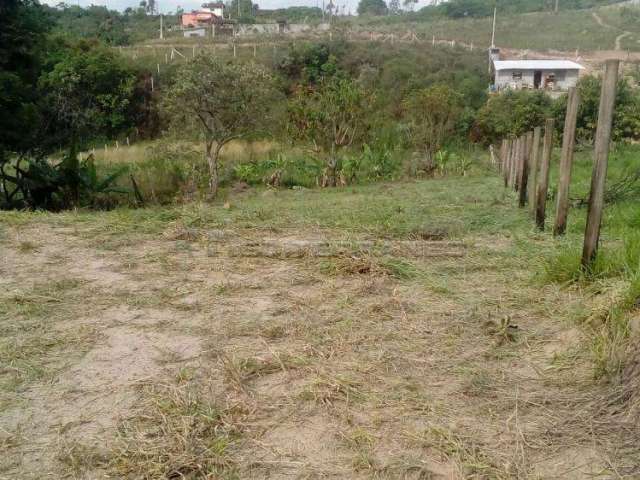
372,7
23,26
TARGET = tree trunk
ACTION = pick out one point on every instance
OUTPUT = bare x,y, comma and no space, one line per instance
332,165
429,163
212,161
330,174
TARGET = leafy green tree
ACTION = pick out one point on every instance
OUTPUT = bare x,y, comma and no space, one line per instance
372,7
223,100
23,25
245,12
331,117
394,7
626,120
84,90
432,114
308,64
88,94
511,114
410,4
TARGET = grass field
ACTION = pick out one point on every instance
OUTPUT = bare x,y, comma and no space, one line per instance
417,329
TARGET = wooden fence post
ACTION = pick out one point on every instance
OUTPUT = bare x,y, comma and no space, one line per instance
507,160
601,156
543,182
533,168
522,149
566,161
515,154
524,174
503,154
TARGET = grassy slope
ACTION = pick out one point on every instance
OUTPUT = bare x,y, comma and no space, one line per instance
567,30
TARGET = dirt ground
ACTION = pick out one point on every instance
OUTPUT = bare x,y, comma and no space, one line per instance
261,353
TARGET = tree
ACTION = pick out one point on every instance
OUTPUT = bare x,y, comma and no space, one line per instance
22,29
512,114
372,7
410,4
331,116
84,91
432,114
394,7
626,119
88,93
226,100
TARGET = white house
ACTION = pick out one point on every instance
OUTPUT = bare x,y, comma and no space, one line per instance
550,75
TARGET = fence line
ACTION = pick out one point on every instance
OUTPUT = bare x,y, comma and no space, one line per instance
522,169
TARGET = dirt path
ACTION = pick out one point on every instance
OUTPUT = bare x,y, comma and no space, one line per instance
288,355
618,43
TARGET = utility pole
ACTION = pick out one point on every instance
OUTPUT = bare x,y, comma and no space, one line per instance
493,30
238,9
556,8
161,30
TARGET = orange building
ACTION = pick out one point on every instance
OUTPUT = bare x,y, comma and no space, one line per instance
208,14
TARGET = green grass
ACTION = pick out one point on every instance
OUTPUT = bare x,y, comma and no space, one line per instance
566,30
474,207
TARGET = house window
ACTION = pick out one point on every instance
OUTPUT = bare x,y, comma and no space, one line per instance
516,75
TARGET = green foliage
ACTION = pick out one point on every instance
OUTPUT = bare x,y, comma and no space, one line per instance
331,116
23,26
243,11
223,100
372,7
108,26
89,93
40,184
290,14
484,8
308,63
626,121
432,114
511,114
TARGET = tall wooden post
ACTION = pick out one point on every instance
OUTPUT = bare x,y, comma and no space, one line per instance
503,154
543,182
533,168
524,173
601,155
566,161
514,163
507,163
522,153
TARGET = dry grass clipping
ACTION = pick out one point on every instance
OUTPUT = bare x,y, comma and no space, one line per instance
179,432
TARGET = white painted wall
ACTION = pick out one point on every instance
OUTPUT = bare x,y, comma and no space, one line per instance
564,79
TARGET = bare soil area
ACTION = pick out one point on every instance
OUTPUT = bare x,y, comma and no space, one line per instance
261,353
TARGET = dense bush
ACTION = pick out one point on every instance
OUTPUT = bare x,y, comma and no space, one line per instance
511,114
626,121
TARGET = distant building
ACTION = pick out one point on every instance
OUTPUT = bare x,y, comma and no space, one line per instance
550,75
195,32
210,13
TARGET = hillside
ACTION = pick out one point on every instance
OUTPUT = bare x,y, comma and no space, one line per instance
589,29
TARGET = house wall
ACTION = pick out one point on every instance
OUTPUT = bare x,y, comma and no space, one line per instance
274,28
198,32
564,79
